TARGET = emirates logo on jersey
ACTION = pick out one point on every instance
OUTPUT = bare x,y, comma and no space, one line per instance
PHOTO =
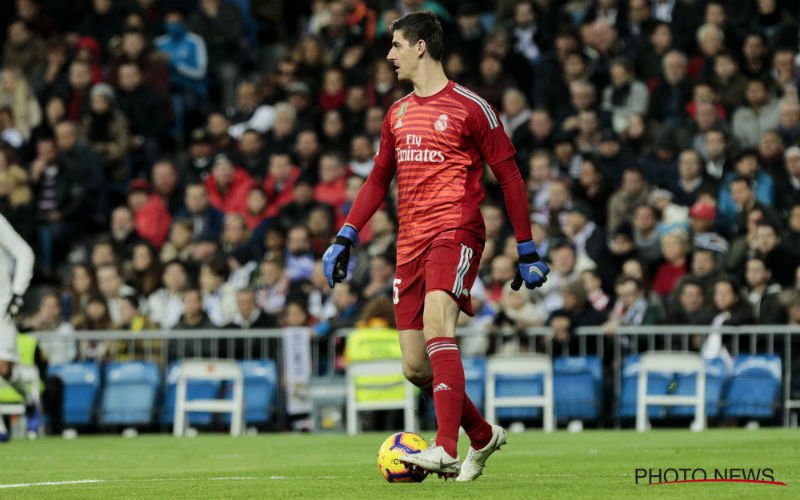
441,123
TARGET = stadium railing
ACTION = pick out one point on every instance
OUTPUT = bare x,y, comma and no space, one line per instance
782,340
165,346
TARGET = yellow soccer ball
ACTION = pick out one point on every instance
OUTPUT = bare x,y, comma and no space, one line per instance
395,446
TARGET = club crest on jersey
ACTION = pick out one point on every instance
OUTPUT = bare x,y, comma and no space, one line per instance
441,123
400,115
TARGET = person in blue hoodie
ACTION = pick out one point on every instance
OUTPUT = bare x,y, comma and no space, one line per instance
188,59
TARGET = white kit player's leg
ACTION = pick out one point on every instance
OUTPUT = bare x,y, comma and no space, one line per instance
8,354
476,459
8,337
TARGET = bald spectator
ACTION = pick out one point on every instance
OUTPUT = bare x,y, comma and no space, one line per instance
788,192
672,92
789,120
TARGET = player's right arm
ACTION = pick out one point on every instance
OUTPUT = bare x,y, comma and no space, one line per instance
369,199
13,243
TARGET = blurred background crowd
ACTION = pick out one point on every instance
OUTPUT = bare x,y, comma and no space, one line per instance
183,165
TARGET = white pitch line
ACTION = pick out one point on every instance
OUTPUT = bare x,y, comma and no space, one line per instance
51,483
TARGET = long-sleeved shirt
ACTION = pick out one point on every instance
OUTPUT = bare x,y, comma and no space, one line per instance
16,264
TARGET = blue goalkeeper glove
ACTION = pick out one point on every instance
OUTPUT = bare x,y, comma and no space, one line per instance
337,256
531,269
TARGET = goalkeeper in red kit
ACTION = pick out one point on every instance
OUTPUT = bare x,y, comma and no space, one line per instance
436,139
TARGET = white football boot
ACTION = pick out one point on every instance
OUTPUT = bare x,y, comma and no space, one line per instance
434,460
476,459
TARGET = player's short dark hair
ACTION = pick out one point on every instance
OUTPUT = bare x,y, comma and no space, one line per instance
423,26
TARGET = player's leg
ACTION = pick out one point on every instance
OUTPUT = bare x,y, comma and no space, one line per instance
8,360
408,295
8,354
448,380
417,369
416,365
439,317
456,281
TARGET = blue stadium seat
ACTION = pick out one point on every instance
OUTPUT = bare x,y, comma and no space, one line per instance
475,376
657,383
195,389
260,391
577,387
754,388
516,385
129,394
716,380
81,384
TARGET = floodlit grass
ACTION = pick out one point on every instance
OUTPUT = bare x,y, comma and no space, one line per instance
592,464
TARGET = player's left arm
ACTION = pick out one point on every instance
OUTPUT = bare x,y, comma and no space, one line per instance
497,150
23,264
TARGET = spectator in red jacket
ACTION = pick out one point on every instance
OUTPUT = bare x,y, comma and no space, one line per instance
280,180
332,187
228,186
150,214
257,207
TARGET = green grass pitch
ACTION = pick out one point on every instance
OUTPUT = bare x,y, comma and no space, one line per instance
591,464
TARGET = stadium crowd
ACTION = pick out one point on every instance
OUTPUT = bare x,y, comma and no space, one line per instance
183,165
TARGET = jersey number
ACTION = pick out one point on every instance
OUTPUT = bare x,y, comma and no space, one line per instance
396,291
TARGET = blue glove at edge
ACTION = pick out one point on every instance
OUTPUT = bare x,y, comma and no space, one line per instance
337,256
531,270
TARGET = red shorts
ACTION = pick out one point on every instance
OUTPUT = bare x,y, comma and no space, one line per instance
450,265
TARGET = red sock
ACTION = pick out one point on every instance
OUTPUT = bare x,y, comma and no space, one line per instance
476,427
448,390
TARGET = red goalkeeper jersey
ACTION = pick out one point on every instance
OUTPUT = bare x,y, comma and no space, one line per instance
437,145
